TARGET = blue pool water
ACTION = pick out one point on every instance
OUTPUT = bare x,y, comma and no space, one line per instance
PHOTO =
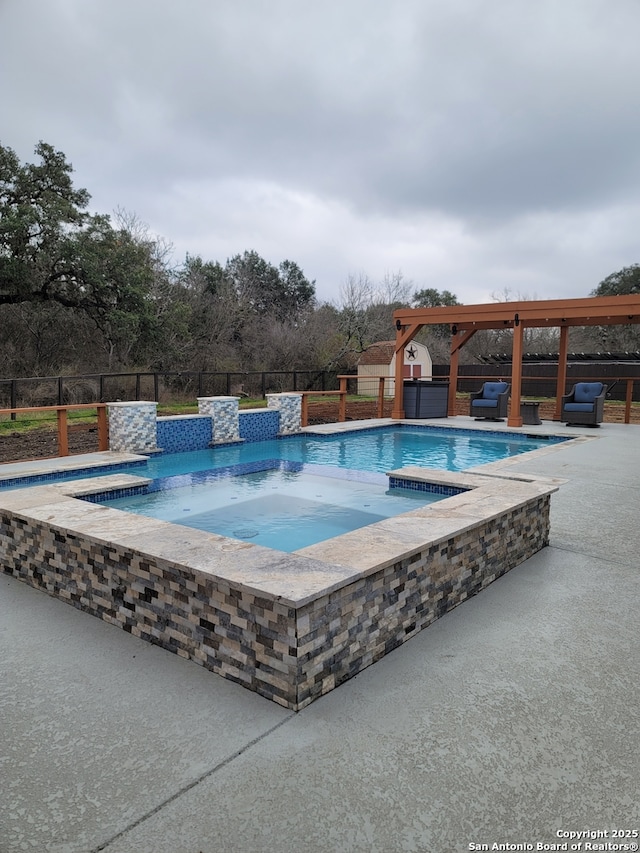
311,488
283,507
380,450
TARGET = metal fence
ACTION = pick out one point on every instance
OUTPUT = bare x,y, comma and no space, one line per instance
538,380
161,387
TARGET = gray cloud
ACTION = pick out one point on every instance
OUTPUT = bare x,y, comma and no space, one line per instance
471,143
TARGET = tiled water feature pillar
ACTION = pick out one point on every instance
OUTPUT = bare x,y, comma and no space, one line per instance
224,414
132,426
290,408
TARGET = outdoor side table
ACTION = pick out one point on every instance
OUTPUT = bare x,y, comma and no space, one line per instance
529,412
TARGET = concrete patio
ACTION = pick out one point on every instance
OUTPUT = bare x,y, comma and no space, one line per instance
513,718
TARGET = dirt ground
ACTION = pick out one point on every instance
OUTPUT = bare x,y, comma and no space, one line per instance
43,443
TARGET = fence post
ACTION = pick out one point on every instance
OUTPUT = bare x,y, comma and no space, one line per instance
381,382
63,438
156,388
12,401
101,387
342,406
60,391
137,386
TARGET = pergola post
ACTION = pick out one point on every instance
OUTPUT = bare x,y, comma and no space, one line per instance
515,418
404,335
561,381
453,377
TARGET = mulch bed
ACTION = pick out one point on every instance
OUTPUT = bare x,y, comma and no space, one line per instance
43,443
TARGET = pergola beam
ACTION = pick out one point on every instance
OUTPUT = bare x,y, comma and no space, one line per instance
596,310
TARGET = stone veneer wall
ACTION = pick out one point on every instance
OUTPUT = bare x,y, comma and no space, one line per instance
224,414
341,633
290,408
238,635
132,426
289,651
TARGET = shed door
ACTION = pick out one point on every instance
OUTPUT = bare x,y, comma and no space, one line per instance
411,371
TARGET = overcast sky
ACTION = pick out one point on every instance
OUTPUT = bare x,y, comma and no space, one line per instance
478,146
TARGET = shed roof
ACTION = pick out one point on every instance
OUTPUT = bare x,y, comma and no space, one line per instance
381,352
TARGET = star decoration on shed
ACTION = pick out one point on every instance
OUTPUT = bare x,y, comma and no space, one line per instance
411,353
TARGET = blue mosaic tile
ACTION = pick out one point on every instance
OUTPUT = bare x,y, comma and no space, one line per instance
101,497
431,488
260,426
473,433
177,436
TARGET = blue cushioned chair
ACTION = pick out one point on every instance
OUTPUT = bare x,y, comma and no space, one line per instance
490,402
585,404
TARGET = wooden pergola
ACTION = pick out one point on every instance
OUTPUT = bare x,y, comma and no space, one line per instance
466,320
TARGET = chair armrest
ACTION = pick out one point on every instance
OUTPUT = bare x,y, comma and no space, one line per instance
599,404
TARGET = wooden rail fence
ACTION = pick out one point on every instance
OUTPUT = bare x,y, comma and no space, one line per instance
63,424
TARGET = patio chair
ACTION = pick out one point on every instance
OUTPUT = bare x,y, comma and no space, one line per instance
490,402
584,405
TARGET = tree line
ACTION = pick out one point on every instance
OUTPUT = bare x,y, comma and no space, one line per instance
83,292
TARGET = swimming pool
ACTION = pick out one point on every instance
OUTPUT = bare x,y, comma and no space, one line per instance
378,450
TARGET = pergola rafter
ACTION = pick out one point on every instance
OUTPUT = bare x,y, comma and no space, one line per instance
466,320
